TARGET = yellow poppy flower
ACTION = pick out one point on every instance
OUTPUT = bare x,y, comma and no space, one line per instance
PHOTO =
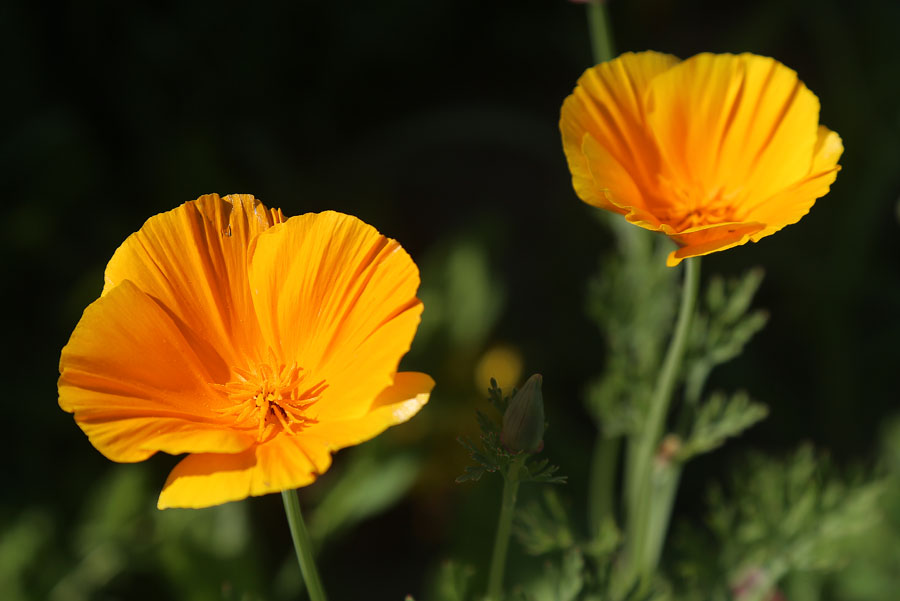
257,345
713,151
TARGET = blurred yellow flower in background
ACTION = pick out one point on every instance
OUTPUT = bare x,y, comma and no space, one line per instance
712,151
257,345
501,362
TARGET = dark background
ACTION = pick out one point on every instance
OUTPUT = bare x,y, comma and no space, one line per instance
435,121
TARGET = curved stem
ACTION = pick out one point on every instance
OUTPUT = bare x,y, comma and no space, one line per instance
303,546
504,528
601,37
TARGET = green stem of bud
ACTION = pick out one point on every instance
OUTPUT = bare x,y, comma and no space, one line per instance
504,528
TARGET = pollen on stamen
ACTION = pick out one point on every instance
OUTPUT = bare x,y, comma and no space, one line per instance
271,398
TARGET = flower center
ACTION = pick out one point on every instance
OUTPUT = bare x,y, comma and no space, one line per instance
688,206
271,398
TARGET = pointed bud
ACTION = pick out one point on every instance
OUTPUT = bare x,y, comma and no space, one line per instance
523,420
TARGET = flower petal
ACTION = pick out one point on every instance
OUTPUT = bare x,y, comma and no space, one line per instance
607,105
206,479
616,186
731,128
393,406
710,239
193,259
137,385
790,204
337,297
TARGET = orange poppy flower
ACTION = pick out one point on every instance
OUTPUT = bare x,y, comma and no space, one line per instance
713,151
257,345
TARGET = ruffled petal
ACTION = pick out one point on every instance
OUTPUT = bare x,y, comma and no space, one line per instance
731,129
138,385
206,479
193,259
393,406
607,105
339,299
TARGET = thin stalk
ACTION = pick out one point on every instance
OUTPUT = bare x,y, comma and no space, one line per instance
640,497
601,37
504,528
601,504
303,546
606,450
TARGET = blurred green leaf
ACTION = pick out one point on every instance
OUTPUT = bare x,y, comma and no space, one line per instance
453,582
543,526
463,297
21,541
561,580
114,507
223,531
783,517
370,485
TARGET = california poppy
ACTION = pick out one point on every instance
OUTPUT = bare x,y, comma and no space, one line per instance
255,344
713,151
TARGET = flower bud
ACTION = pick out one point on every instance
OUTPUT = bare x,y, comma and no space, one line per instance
523,420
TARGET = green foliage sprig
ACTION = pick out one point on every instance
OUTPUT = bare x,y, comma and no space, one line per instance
722,327
777,518
719,418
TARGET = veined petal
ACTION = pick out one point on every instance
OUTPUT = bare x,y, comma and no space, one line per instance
193,259
395,405
606,184
731,128
607,105
790,204
206,479
338,299
137,385
612,181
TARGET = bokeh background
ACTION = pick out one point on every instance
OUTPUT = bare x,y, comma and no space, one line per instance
436,122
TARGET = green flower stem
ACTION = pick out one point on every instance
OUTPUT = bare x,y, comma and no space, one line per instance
601,504
504,528
641,498
303,546
601,37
